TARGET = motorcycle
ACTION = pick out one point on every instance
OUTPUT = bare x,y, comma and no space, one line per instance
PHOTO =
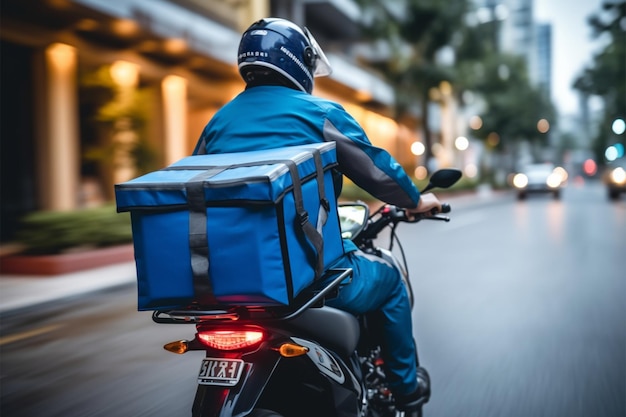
306,359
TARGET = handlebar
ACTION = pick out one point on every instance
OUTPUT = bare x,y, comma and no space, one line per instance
445,208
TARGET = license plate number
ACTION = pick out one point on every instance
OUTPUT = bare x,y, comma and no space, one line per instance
220,371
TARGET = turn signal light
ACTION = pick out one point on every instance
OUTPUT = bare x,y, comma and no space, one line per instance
291,350
179,347
230,339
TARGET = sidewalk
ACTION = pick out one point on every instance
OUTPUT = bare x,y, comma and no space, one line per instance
21,291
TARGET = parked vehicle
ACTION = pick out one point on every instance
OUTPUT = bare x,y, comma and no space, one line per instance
539,178
615,178
305,359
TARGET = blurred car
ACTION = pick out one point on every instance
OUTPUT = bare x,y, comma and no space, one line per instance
539,178
615,178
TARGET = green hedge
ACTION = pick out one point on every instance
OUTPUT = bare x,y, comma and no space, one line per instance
53,232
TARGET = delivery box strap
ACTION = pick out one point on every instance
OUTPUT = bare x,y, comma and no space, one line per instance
198,239
198,242
322,217
313,234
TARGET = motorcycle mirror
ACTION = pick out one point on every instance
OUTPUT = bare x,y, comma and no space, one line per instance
443,178
352,218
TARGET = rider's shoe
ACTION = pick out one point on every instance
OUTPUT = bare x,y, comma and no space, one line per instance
412,403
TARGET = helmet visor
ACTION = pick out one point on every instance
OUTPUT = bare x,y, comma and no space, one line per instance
322,66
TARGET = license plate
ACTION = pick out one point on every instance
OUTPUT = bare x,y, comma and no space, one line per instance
220,371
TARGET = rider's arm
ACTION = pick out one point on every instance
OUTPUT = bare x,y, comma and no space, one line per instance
371,168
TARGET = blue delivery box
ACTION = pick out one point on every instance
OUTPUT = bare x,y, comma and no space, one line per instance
248,228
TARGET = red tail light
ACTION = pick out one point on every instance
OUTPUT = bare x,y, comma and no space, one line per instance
230,339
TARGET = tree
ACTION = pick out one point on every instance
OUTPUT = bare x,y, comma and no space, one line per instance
606,77
415,31
513,107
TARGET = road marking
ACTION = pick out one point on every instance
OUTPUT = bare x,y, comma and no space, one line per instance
26,335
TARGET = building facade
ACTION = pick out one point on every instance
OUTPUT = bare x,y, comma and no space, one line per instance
95,92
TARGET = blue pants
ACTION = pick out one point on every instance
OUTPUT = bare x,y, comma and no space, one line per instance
377,287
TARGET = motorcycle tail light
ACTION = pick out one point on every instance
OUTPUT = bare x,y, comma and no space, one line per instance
230,339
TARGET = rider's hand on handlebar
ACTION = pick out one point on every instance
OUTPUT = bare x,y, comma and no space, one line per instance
429,204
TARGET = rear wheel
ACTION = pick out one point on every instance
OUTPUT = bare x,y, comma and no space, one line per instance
260,412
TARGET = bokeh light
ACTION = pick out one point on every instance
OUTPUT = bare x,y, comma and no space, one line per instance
619,126
417,148
476,122
543,126
562,173
590,167
611,153
493,139
420,172
520,180
461,143
470,171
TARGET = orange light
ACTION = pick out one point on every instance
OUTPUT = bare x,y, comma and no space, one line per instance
230,339
125,74
179,347
543,126
291,350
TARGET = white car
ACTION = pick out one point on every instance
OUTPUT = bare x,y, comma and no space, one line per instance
539,178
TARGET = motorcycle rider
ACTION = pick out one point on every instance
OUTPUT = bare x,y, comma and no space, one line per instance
278,61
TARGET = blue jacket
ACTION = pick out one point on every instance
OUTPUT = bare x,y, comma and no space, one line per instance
269,117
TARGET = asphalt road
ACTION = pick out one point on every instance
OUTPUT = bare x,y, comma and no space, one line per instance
520,311
521,307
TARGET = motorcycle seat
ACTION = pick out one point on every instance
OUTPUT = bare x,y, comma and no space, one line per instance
329,326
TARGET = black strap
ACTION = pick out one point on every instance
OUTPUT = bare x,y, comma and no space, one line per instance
322,216
312,234
198,239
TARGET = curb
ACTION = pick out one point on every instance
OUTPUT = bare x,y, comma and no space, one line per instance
25,291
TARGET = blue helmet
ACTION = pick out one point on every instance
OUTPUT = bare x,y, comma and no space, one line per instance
277,51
